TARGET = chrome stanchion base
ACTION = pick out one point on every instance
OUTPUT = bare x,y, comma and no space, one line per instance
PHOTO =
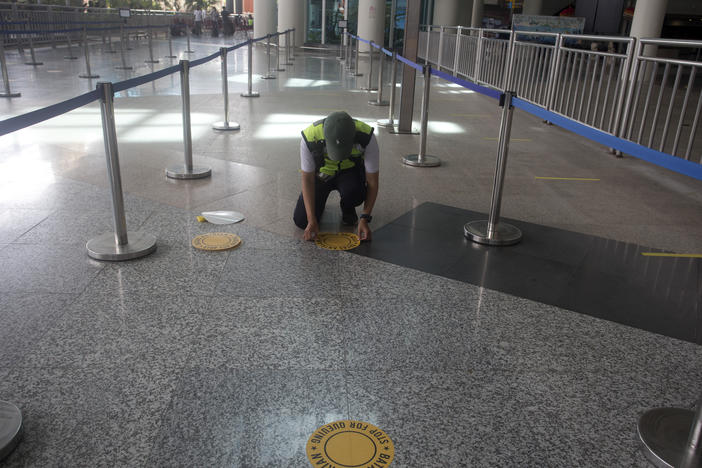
268,77
34,63
226,126
10,94
189,51
357,74
279,69
151,61
105,247
69,57
664,433
251,94
88,76
10,428
171,56
124,68
385,123
370,90
182,172
426,161
505,234
379,103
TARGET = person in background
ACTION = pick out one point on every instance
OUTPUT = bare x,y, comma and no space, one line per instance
214,17
199,17
338,153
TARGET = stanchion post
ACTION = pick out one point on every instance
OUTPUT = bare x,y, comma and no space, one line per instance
422,159
69,44
151,49
250,93
381,62
268,75
292,47
187,171
672,437
110,49
5,77
355,64
121,50
492,231
170,46
88,73
390,121
120,245
349,60
277,53
287,48
32,54
187,34
370,87
225,124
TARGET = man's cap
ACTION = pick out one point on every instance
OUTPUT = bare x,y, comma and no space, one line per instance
339,134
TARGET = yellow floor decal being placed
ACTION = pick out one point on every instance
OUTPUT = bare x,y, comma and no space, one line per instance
661,254
350,444
337,240
216,241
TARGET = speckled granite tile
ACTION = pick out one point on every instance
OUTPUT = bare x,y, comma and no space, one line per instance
301,272
78,226
169,270
431,332
95,416
15,222
371,278
46,268
25,318
515,333
247,418
272,333
493,418
120,328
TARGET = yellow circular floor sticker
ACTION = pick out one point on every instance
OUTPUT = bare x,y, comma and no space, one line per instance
216,241
337,240
350,444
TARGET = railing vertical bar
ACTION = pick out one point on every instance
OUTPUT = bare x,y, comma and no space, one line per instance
582,94
690,84
668,116
607,88
693,129
652,78
652,135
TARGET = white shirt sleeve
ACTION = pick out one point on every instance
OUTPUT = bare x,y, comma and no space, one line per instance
372,156
306,157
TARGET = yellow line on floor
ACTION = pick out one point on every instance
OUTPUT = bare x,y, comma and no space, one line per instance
511,139
567,178
660,254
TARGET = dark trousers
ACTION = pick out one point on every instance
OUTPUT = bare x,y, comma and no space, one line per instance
351,185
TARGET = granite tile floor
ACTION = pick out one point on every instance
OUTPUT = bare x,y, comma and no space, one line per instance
189,358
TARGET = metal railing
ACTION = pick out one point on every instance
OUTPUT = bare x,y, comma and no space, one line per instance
605,82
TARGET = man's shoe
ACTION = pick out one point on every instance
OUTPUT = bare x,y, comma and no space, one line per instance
349,218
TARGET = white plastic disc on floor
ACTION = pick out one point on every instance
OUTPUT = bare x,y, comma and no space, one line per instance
223,217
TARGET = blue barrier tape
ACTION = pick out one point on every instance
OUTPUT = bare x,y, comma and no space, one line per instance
260,39
234,47
647,154
363,40
493,93
410,63
387,52
202,60
140,80
32,118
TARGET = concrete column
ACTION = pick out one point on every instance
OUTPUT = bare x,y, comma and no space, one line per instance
446,13
533,7
266,17
648,21
371,22
477,15
291,14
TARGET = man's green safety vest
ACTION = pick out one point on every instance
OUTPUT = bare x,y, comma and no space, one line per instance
314,138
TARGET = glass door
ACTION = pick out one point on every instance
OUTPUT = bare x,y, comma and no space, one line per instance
314,21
